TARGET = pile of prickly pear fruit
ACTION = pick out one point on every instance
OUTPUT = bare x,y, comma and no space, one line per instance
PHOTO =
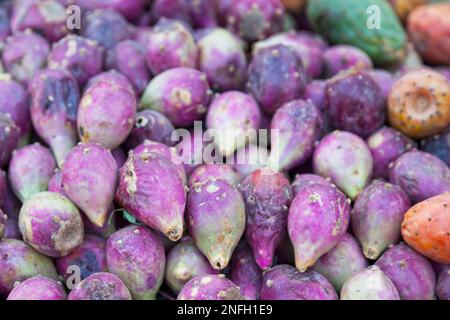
224,150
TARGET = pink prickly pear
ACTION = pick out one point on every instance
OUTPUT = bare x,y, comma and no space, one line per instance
38,288
210,287
100,286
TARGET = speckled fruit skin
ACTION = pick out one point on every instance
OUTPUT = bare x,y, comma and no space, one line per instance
411,273
284,282
182,94
231,115
215,217
342,262
150,125
19,262
443,284
222,58
384,79
299,125
318,219
245,273
100,286
428,27
30,170
305,180
9,138
426,226
90,257
346,160
89,179
210,287
419,103
276,76
369,284
107,113
355,103
54,104
170,45
439,146
377,217
421,175
386,145
38,288
214,171
185,262
136,255
315,91
113,78
130,9
51,224
267,196
343,57
23,54
249,158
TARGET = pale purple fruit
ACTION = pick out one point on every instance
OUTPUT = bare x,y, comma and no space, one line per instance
130,9
38,288
284,282
249,158
222,58
215,217
384,79
89,179
151,189
9,137
245,273
377,217
369,284
346,160
170,45
386,145
275,77
214,171
298,126
113,78
343,57
24,54
54,104
100,286
443,283
30,169
203,13
305,180
421,175
318,219
190,150
210,287
185,262
136,255
267,196
233,120
315,91
342,262
107,113
411,273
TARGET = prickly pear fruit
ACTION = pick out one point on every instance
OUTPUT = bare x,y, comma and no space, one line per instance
439,146
210,287
214,171
305,180
111,77
38,288
9,138
443,284
384,79
191,149
3,223
100,286
343,57
315,91
249,158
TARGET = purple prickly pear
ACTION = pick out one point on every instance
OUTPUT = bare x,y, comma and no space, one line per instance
305,180
38,288
100,286
191,150
439,146
214,171
315,91
120,156
9,137
443,284
130,9
210,287
111,77
171,9
384,79
343,57
249,158
3,223
203,13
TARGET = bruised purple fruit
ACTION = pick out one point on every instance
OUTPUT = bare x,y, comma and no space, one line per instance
298,126
222,58
130,9
151,189
89,179
386,145
369,284
170,45
315,91
111,77
305,180
439,146
9,137
54,104
215,216
45,17
342,262
421,175
210,287
267,195
233,120
107,113
185,262
384,79
214,171
30,169
346,160
128,57
89,258
38,288
355,103
24,54
276,76
100,286
245,273
411,273
284,282
136,255
182,94
249,158
343,57
81,56
377,217
443,284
